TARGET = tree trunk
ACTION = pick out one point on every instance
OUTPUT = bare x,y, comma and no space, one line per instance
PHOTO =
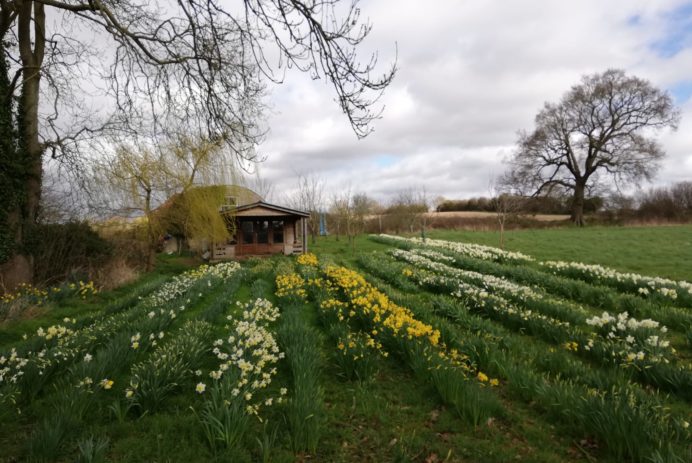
502,234
151,233
578,205
20,268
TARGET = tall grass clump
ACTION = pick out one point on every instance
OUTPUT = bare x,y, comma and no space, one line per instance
92,449
169,366
46,441
223,417
305,406
220,304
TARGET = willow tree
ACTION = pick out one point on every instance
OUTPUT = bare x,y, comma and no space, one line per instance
198,62
600,131
173,187
193,215
133,179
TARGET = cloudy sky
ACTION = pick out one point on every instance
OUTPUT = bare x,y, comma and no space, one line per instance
471,73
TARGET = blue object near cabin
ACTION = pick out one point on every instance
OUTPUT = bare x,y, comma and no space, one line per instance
323,224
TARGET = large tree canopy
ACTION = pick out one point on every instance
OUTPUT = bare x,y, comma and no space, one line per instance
80,68
600,131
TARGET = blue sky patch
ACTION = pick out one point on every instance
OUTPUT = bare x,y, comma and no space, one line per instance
385,160
678,31
634,20
682,91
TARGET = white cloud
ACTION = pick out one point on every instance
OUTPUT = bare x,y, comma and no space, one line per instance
471,74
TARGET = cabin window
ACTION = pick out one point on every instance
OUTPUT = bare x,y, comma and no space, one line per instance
246,229
278,231
263,232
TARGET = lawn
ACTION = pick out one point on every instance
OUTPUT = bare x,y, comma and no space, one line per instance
396,351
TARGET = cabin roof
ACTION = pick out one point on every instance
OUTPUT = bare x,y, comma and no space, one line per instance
264,205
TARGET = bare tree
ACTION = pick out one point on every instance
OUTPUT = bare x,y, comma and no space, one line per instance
362,207
408,210
504,203
340,210
195,62
424,200
309,197
600,130
261,185
349,212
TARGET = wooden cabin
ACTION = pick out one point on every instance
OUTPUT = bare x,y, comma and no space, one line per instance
260,228
256,227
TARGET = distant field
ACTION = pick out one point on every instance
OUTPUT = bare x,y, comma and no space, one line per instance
478,214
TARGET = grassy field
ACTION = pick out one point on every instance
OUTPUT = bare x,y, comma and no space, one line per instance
664,251
392,352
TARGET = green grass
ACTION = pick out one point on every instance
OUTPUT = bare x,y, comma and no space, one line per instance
657,251
342,250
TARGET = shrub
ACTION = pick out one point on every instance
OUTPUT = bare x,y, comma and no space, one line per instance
68,251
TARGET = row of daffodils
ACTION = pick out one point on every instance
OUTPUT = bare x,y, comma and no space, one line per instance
86,347
608,339
598,371
659,289
663,289
365,324
246,364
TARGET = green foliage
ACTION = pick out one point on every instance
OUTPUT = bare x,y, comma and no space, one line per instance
260,288
472,401
12,174
554,398
67,251
169,366
661,251
92,449
223,417
219,305
267,443
356,354
194,214
46,440
305,408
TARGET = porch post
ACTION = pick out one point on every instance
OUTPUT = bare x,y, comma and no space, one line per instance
305,232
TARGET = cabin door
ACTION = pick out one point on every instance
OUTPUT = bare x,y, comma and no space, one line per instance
258,237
